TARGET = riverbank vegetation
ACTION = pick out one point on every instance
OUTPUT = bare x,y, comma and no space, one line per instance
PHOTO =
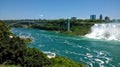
65,62
15,52
77,26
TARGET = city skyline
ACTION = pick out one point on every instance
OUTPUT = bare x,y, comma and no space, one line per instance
55,9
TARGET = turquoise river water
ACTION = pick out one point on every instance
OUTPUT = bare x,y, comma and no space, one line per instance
94,52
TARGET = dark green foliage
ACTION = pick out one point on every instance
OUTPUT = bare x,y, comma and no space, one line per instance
11,49
14,51
35,58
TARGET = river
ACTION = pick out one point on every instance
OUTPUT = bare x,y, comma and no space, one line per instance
94,52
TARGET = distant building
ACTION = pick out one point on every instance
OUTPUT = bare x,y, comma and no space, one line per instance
100,17
118,20
107,18
93,17
73,18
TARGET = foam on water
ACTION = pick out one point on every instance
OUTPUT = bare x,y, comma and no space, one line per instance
101,58
91,57
108,31
79,49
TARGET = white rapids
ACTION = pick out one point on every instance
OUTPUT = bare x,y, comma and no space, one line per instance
107,31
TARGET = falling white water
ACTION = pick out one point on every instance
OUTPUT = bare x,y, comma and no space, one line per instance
108,31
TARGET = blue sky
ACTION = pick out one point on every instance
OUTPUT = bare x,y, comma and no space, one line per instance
54,9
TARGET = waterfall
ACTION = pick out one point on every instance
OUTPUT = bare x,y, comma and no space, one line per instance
108,31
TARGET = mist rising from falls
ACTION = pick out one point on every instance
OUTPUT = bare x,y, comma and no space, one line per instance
108,31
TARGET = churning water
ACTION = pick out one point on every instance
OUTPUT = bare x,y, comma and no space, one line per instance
93,52
108,31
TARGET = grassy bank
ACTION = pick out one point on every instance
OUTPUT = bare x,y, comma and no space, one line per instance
65,62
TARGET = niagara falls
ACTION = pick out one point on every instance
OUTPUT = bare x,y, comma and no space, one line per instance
106,31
